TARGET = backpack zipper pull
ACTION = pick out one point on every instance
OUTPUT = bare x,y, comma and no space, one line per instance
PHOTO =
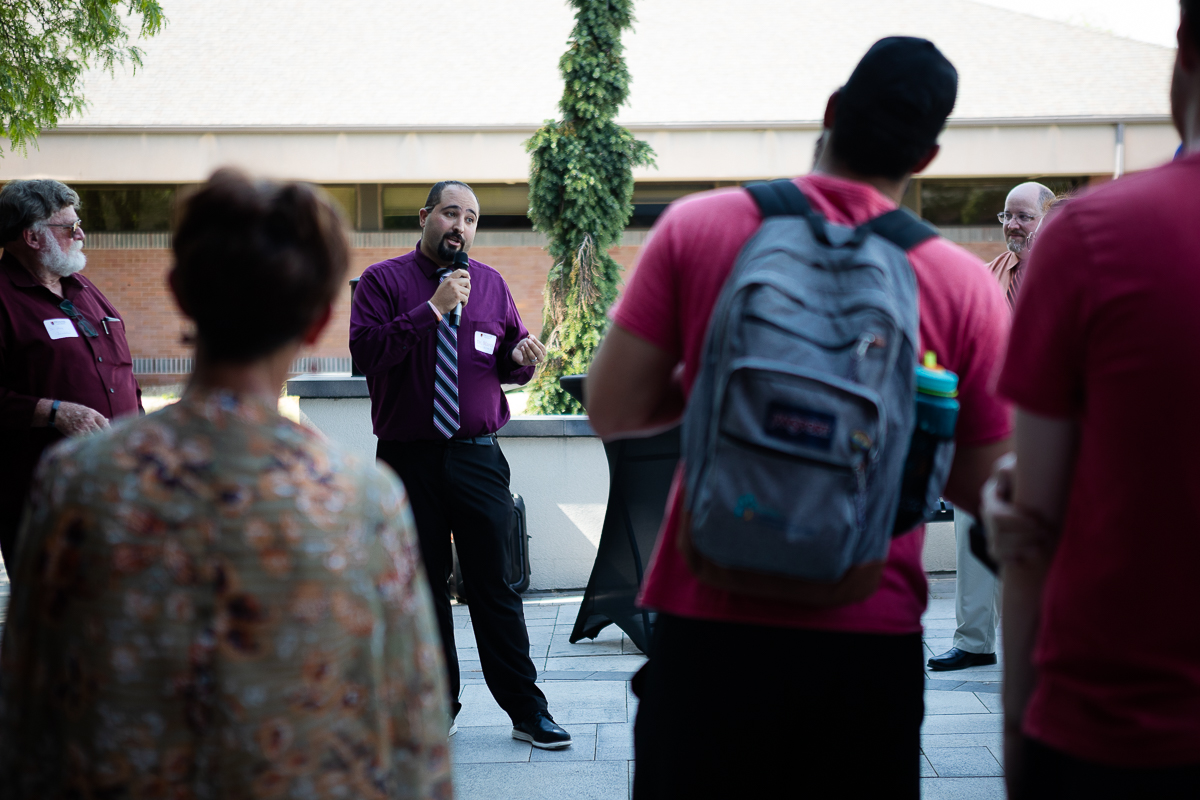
864,344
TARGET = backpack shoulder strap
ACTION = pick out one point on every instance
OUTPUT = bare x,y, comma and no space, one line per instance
780,198
902,228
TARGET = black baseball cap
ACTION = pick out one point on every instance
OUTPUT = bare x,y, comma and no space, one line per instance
894,105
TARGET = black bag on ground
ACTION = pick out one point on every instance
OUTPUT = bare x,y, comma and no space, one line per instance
518,556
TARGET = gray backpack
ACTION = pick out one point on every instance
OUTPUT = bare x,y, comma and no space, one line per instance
795,436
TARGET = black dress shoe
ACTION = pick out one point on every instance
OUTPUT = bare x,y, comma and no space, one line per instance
960,659
541,731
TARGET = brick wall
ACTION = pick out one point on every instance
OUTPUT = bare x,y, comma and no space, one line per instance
135,281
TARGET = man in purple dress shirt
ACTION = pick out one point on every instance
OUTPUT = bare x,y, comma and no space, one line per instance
436,404
65,367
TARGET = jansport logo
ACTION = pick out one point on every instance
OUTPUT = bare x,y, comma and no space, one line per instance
800,425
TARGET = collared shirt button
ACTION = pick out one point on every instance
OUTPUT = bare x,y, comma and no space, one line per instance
99,358
111,390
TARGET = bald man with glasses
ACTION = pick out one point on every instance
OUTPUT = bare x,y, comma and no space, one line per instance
65,366
1024,209
975,596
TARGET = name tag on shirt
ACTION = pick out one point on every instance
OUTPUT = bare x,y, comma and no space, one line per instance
65,329
484,342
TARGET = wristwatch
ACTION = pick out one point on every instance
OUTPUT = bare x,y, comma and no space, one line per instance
53,412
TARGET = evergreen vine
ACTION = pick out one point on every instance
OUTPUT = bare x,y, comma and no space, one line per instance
581,196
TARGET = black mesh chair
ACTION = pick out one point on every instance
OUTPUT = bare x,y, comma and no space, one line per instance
640,472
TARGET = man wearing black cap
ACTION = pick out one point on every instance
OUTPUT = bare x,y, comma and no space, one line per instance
744,696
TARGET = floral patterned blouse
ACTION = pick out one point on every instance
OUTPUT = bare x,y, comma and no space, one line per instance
213,602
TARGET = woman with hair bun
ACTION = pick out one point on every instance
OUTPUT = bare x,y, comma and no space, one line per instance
215,601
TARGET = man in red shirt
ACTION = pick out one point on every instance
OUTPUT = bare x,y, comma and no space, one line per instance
1102,678
743,696
65,367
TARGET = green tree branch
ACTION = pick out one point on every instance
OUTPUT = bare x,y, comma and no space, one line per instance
45,46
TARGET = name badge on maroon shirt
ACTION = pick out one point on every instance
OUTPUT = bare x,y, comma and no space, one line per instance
61,329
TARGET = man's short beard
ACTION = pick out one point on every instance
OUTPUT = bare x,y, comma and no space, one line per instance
63,264
446,253
1017,246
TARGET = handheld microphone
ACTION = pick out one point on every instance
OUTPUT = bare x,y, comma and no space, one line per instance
460,262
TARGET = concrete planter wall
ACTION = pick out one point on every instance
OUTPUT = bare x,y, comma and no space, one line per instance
558,466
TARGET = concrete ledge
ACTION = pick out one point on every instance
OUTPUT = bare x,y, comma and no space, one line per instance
327,386
533,427
338,387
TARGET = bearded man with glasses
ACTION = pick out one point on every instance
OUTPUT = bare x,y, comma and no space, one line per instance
65,366
976,599
1023,210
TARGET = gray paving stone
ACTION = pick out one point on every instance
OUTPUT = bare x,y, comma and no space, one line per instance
939,629
560,645
952,703
568,613
575,702
583,746
992,701
606,780
614,742
540,612
487,745
963,762
993,687
569,675
962,789
927,770
597,663
939,609
480,709
939,645
962,723
993,740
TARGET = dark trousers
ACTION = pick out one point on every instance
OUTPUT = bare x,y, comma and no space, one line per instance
463,488
731,710
1051,773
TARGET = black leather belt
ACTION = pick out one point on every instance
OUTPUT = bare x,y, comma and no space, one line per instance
487,438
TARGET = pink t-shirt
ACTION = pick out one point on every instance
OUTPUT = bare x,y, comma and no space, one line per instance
1107,332
670,298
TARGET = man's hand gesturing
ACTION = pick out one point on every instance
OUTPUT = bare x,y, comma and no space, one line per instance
452,291
529,351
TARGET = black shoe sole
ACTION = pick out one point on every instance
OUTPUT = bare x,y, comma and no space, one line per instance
981,661
525,737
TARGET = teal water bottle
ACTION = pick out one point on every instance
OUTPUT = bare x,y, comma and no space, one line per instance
932,448
937,410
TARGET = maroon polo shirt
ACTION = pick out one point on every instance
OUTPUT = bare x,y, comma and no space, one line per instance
95,372
393,335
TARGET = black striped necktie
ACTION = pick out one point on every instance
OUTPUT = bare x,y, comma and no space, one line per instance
445,377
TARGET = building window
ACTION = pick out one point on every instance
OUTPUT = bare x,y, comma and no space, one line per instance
974,201
125,208
501,206
346,198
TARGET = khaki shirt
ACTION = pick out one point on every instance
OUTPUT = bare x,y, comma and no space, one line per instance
1003,268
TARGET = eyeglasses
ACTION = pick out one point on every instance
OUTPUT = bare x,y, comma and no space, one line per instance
1022,217
75,226
71,311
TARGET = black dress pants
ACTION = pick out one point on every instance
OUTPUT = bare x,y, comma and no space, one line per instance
730,710
463,487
